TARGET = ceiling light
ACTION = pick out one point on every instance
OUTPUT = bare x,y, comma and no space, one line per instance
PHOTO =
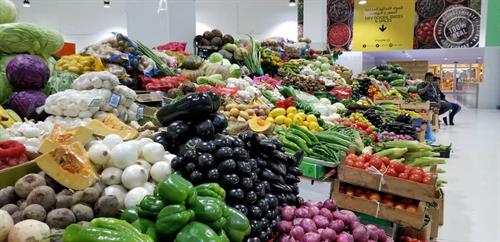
445,58
107,4
362,2
414,60
479,57
292,3
26,3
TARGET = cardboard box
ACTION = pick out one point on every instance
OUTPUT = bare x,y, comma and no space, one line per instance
379,210
393,185
10,175
312,170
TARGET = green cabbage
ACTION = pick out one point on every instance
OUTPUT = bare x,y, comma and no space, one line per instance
5,87
59,82
29,38
8,12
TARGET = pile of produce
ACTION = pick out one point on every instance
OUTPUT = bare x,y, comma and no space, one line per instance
322,221
213,38
389,73
12,153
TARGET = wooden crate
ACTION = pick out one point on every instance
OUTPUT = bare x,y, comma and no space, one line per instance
391,185
379,210
10,175
423,233
394,100
416,106
421,133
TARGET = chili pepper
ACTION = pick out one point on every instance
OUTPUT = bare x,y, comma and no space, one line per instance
175,189
11,148
77,233
199,232
237,226
172,218
289,144
150,206
130,214
211,190
208,209
117,225
147,227
298,141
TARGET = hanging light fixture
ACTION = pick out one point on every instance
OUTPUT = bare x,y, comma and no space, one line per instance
292,3
362,2
26,3
162,6
107,3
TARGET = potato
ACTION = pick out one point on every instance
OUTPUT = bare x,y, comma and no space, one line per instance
82,212
90,195
17,217
250,112
35,211
63,201
6,223
65,192
10,208
231,106
22,204
242,107
29,230
27,183
60,218
107,206
234,112
44,196
84,223
244,115
7,195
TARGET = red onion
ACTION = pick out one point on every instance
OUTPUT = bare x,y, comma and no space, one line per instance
313,211
350,214
325,212
341,216
288,213
312,237
302,212
372,232
344,237
330,205
284,226
337,225
321,221
382,237
308,225
329,234
297,221
297,233
360,234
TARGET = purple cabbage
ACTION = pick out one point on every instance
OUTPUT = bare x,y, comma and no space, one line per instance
27,72
27,104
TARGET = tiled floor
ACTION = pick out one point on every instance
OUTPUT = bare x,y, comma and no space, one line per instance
472,195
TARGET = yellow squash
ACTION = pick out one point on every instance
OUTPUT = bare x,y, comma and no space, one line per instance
112,125
60,135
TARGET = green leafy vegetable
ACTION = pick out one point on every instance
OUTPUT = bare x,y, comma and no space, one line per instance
29,38
8,12
59,82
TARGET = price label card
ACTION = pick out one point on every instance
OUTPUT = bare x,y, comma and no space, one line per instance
114,100
96,102
140,112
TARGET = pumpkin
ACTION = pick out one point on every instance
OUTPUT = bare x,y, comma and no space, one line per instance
257,124
69,165
60,135
112,125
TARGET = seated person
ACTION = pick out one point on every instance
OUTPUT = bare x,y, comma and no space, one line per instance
455,108
428,91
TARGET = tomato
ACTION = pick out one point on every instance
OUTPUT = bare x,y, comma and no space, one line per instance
416,170
404,175
359,164
367,165
351,157
367,157
411,208
426,180
363,126
399,167
364,196
349,193
369,132
385,160
416,177
374,197
349,162
376,162
400,206
358,192
391,172
388,202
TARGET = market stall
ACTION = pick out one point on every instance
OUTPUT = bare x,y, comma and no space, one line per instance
123,142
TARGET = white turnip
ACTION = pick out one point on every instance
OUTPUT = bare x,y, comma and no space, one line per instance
29,230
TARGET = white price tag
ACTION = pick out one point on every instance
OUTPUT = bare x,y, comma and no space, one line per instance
114,100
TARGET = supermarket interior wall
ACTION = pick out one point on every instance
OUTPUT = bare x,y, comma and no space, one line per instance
315,22
489,89
81,22
261,18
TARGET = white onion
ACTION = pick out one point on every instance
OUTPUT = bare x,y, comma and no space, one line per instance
135,196
99,154
124,155
117,191
153,152
112,140
111,176
160,170
150,186
134,176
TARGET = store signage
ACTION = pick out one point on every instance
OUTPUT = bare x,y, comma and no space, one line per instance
458,27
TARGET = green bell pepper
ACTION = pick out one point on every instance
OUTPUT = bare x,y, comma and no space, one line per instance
172,218
218,224
199,232
116,225
174,189
237,226
147,227
150,206
211,190
78,233
208,209
130,214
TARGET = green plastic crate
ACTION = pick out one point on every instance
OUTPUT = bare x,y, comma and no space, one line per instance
312,170
390,228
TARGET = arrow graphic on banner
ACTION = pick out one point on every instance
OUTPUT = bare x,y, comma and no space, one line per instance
382,28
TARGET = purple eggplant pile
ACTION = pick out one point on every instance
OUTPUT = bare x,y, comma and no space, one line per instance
258,176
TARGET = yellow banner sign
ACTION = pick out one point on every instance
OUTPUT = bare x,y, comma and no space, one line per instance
383,25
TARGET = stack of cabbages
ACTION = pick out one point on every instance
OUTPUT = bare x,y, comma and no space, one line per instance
258,176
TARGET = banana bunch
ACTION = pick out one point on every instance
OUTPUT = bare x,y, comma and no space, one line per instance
8,117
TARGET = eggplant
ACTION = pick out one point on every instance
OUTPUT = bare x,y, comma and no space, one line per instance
290,198
224,153
295,188
267,186
190,167
299,155
281,198
244,168
236,142
256,226
270,229
291,179
264,222
270,215
246,135
277,143
242,208
177,130
262,204
239,153
213,175
263,236
268,175
300,200
266,146
253,239
205,129
205,147
280,188
235,195
190,107
222,141
273,224
277,167
191,143
250,197
254,212
230,180
205,160
246,183
219,122
272,200
177,163
227,166
254,176
261,162
279,156
259,189
253,163
294,171
196,177
190,155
